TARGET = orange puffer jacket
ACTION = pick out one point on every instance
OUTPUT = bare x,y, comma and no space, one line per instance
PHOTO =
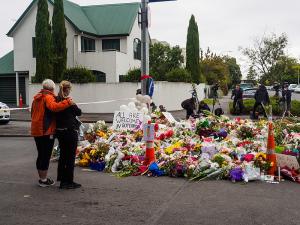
42,117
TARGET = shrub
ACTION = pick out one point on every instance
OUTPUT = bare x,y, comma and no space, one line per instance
277,109
179,75
133,75
79,75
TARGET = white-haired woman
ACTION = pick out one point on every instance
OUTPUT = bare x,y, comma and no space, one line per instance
43,126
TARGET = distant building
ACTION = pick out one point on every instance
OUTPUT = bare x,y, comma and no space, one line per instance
102,38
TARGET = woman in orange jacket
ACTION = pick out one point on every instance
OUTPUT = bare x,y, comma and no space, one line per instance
43,125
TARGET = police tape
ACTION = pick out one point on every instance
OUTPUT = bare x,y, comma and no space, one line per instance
81,103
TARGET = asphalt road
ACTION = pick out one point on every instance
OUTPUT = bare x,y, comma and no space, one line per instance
105,199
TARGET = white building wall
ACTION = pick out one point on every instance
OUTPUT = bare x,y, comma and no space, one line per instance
135,33
22,37
166,93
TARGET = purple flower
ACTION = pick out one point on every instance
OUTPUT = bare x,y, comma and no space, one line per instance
236,174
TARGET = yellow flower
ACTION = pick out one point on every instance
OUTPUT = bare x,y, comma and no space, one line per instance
169,150
83,163
262,155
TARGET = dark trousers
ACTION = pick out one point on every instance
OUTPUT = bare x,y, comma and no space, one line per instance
238,102
257,104
44,145
67,144
189,112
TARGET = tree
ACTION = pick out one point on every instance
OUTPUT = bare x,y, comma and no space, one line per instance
163,59
215,69
59,35
252,75
192,50
265,54
235,73
43,43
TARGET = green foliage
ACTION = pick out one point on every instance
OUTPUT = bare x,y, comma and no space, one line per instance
179,75
251,75
163,59
59,35
192,51
43,43
277,109
215,69
235,73
79,75
133,75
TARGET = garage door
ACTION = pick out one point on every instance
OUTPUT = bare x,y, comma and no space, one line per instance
8,89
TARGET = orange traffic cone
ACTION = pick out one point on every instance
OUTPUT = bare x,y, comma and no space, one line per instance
20,101
150,151
271,157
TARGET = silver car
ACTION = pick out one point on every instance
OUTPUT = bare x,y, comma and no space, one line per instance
249,93
4,113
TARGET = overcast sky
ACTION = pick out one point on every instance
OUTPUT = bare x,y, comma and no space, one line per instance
224,25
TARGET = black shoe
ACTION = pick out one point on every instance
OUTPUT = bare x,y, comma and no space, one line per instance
47,183
72,185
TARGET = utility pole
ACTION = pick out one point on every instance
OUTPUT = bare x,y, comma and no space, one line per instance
145,45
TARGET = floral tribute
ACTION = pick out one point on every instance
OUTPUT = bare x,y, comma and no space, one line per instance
197,149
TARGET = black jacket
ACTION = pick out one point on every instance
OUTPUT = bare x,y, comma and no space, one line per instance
66,119
238,94
261,95
287,96
188,104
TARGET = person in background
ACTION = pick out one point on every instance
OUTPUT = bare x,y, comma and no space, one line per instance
67,133
162,108
43,125
261,99
189,105
287,99
203,107
276,88
237,95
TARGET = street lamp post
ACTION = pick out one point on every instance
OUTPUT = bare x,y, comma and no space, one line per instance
145,42
145,45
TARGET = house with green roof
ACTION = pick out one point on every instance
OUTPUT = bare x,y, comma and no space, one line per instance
102,38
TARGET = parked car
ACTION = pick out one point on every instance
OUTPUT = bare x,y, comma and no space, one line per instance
4,113
245,86
292,87
269,88
297,89
249,93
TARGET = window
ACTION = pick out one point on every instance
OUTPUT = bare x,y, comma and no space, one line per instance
111,45
137,49
88,44
33,47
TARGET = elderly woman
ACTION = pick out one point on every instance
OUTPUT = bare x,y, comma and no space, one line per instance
43,125
67,134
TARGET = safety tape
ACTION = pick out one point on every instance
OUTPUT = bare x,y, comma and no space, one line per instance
81,103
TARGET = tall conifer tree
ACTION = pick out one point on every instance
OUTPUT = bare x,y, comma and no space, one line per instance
59,35
43,42
192,51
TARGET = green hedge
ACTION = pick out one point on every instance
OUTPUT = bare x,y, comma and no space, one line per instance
179,75
277,109
133,75
79,75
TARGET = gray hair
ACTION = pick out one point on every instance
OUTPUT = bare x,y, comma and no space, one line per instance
48,85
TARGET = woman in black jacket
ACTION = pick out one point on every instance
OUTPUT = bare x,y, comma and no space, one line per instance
67,127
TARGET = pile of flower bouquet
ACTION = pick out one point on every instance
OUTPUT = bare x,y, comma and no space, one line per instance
205,148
